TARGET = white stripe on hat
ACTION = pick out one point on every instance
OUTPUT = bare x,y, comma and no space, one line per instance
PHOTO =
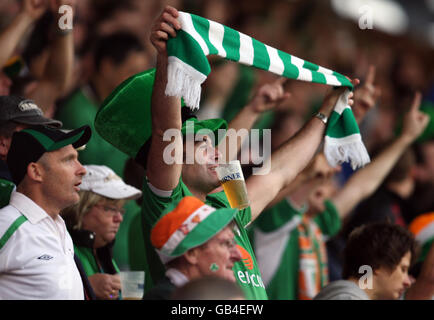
426,233
176,238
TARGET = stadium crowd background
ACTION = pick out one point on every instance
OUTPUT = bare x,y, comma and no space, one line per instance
312,30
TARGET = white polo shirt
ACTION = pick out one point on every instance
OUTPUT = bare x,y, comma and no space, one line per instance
36,254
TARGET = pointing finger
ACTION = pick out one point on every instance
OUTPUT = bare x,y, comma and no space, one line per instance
355,82
370,77
416,101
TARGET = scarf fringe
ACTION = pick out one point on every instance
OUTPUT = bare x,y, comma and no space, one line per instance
184,81
338,151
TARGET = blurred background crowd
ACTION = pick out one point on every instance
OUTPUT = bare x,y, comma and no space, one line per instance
110,42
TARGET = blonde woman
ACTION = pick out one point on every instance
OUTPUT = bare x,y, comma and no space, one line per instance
93,223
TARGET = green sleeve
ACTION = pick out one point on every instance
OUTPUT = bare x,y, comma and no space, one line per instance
277,216
153,205
329,221
6,188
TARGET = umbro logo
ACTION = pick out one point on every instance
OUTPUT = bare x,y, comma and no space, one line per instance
45,257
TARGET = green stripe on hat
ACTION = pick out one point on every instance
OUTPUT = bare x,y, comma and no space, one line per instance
49,144
66,142
44,140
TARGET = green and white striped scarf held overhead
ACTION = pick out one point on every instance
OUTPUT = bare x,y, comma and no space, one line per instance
189,67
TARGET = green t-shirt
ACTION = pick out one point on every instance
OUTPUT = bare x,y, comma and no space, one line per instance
246,271
80,110
275,238
6,188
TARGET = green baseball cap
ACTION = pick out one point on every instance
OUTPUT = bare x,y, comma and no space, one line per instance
29,145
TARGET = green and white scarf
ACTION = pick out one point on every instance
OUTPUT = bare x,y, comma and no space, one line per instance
188,69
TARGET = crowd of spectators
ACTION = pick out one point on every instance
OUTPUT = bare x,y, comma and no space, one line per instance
69,73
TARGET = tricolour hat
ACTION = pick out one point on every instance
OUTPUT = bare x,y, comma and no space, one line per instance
21,110
423,229
124,118
103,181
187,224
29,145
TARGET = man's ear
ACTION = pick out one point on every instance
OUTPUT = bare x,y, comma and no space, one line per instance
35,171
192,255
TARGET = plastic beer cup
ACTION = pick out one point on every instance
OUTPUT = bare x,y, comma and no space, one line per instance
232,179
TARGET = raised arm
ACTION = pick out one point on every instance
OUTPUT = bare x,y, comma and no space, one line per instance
265,98
165,111
59,68
291,158
313,175
365,181
31,10
366,95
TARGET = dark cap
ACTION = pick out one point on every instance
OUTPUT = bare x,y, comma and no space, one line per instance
30,144
21,110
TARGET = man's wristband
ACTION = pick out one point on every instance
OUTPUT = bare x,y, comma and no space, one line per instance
322,117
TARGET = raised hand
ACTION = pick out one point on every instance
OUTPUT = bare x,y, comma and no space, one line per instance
366,96
105,286
333,95
34,9
415,121
269,96
165,26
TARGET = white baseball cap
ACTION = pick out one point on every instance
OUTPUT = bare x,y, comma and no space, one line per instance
103,181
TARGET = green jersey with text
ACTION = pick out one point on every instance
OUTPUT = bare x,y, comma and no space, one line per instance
246,271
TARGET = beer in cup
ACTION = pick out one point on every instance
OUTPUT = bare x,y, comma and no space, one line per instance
232,179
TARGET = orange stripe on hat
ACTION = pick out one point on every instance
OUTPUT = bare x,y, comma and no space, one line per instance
421,222
173,220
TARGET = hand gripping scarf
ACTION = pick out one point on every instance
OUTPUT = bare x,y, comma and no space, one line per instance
188,69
